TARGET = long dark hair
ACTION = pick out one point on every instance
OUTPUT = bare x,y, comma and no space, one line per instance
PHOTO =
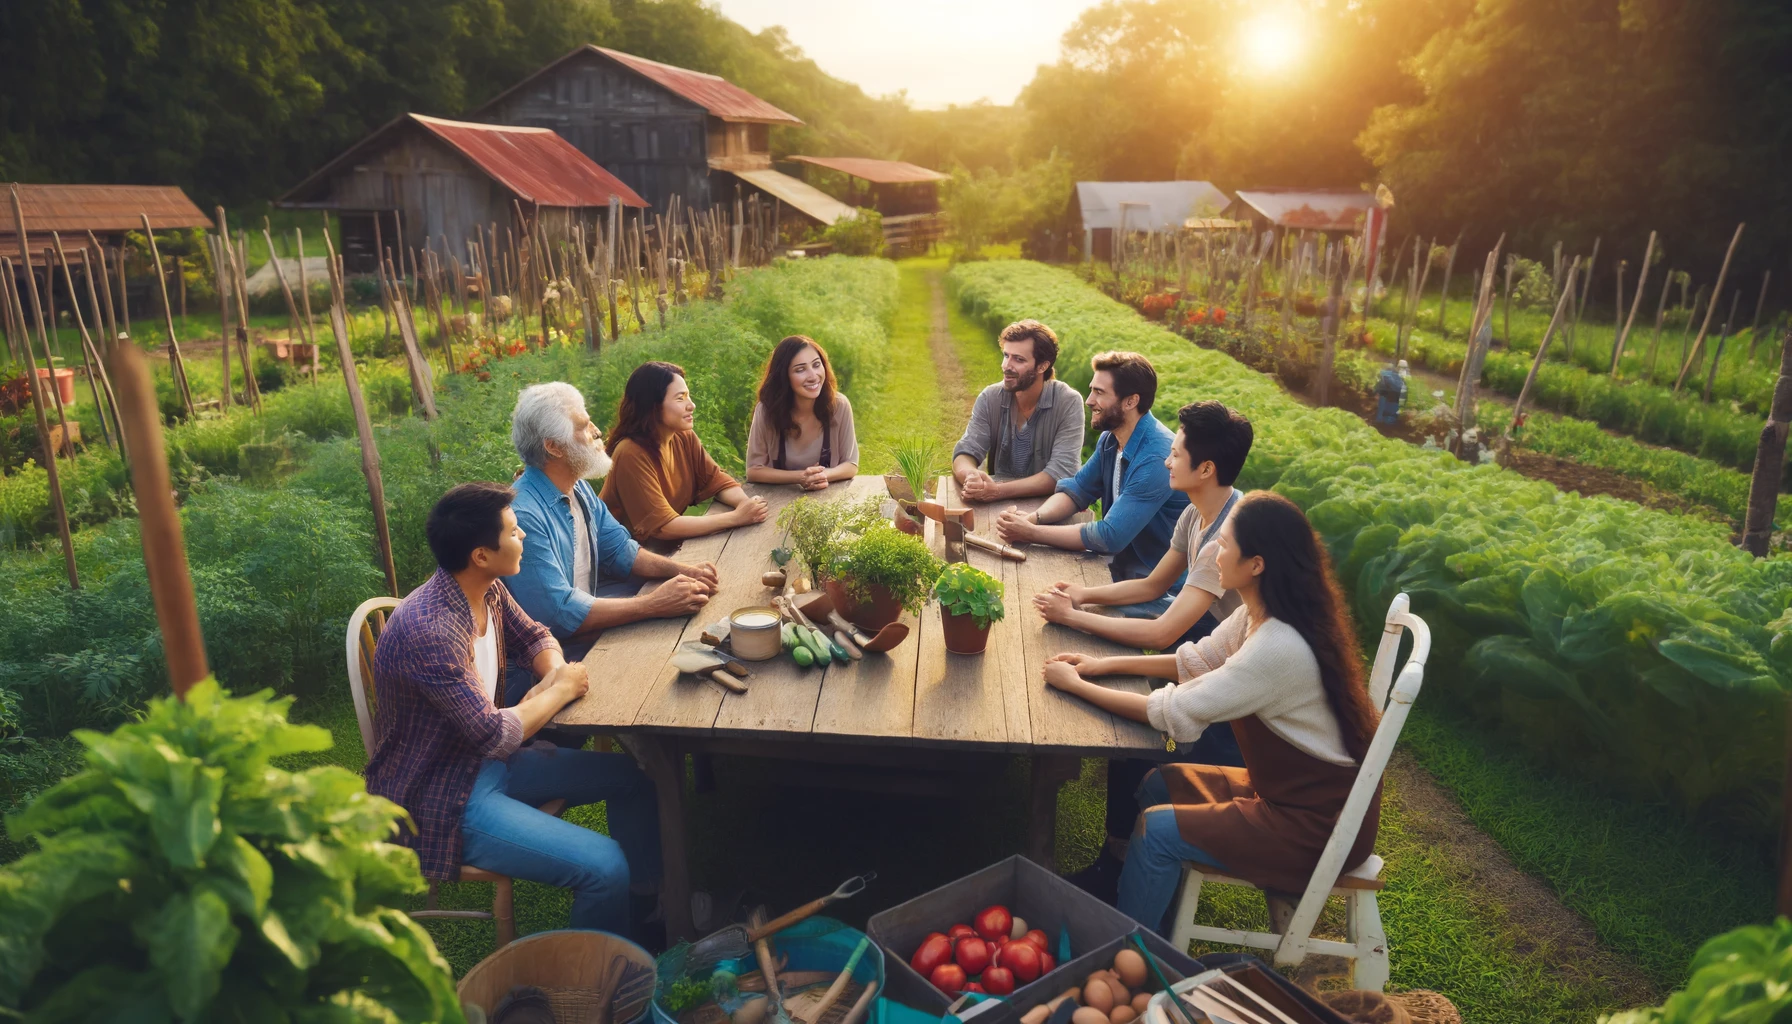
638,415
1297,586
779,398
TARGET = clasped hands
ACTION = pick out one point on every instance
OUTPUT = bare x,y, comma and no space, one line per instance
1016,527
686,592
1070,671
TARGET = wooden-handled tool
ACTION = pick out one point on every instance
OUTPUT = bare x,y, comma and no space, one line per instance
710,666
979,541
955,525
723,651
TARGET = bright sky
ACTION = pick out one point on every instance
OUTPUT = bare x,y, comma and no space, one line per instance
941,51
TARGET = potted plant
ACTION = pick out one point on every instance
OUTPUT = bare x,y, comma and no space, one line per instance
814,528
918,466
970,599
879,575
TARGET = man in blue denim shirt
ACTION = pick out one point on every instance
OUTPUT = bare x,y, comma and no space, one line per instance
581,569
1126,473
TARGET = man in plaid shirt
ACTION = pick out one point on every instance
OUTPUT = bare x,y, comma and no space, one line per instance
452,754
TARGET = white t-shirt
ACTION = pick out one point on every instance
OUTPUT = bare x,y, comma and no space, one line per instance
581,545
1203,561
485,656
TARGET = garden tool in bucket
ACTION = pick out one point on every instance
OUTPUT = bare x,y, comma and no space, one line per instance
736,941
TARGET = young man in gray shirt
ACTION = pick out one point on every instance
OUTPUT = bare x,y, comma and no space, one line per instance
1027,429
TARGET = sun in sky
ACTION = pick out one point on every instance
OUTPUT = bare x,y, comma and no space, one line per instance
1271,42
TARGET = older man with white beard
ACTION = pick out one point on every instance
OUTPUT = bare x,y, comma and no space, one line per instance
581,569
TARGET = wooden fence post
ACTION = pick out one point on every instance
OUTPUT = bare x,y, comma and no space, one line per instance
1716,291
35,386
1562,301
100,354
1443,297
305,300
164,551
370,453
176,363
221,269
1754,327
49,312
1636,301
1480,339
1717,354
87,359
1770,460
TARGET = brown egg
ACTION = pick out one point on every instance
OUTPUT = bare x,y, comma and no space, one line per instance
1140,1001
1036,1015
1097,995
1131,968
1122,1015
1088,1015
1118,989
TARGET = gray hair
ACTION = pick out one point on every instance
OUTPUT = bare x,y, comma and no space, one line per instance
544,413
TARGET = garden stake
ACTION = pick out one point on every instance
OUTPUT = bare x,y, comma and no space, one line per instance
1718,289
1511,264
220,273
124,298
74,304
1692,314
1717,354
1443,297
99,359
1505,448
305,298
1580,305
1480,339
178,364
49,311
1763,492
1642,278
35,386
370,453
18,217
164,553
1754,326
1661,315
292,307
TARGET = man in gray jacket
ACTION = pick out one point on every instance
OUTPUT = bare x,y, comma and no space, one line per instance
1026,430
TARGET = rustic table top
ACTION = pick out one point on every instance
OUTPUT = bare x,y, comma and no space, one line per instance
917,694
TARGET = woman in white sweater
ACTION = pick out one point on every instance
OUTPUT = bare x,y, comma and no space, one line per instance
1285,671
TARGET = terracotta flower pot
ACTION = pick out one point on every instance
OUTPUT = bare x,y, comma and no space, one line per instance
906,522
963,635
870,616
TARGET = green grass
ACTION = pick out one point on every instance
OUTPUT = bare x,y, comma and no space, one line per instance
910,391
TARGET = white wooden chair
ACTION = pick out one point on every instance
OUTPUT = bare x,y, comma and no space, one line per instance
364,627
1365,944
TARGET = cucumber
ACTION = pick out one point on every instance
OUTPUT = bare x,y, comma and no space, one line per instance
788,636
802,655
818,644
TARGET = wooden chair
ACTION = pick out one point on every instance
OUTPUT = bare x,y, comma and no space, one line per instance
364,628
1365,944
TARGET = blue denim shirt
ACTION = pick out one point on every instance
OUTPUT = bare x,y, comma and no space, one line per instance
1135,525
545,587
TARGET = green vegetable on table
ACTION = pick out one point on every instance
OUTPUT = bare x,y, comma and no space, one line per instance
788,635
685,994
802,655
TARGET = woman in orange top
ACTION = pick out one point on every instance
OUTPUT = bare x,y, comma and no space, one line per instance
660,467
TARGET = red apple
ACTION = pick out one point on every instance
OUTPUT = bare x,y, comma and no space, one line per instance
959,931
999,981
993,922
934,950
1023,959
948,978
1047,964
1037,938
971,953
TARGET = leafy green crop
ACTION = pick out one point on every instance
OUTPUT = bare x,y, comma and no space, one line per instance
886,557
817,528
1740,977
963,589
1623,643
183,877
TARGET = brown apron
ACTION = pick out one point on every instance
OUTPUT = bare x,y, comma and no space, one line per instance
1269,821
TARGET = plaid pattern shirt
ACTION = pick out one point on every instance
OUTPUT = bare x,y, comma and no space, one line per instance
432,718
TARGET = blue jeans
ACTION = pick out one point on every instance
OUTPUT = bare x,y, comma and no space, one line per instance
502,831
1154,858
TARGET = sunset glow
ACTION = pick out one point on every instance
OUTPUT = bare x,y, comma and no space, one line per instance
1271,42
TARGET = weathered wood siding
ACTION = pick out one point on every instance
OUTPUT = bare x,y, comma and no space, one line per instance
651,138
433,188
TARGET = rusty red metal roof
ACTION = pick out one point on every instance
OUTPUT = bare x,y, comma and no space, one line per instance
713,93
73,209
535,163
1310,209
878,172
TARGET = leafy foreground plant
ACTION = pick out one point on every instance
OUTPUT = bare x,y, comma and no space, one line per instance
183,877
817,528
963,589
886,557
1740,977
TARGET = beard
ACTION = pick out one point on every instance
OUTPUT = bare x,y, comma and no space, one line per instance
1020,382
588,461
1108,419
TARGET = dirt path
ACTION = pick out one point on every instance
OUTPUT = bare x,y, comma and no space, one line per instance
955,398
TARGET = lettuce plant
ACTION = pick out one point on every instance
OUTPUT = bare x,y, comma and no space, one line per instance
181,876
1739,977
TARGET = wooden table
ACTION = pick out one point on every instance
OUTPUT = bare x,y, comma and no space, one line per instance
916,698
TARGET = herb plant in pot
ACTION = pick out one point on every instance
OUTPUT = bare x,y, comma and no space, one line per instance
881,574
918,461
970,599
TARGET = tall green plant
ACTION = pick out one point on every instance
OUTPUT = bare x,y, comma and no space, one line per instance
886,557
182,876
816,528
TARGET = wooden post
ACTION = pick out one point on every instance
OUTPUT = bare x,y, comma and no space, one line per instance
292,306
1754,327
1718,289
99,356
421,383
370,453
49,313
305,298
1580,304
74,304
1443,297
124,296
221,273
1511,265
1636,301
164,550
1335,313
1480,339
1562,302
35,386
239,259
1661,315
1717,354
1698,299
1764,481
18,220
176,363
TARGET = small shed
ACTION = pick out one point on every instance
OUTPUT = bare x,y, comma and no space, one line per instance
106,210
1303,209
894,188
425,179
1110,206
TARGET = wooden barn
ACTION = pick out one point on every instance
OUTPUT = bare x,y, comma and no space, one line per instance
106,210
421,180
663,130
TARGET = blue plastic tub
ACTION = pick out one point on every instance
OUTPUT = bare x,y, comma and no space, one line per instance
818,944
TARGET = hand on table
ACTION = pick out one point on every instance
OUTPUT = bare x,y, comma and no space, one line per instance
1062,675
753,510
1013,526
978,486
1056,604
702,572
1080,664
572,680
815,478
680,595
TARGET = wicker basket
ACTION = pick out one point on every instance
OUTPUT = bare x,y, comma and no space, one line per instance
1427,1007
1420,1006
571,967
